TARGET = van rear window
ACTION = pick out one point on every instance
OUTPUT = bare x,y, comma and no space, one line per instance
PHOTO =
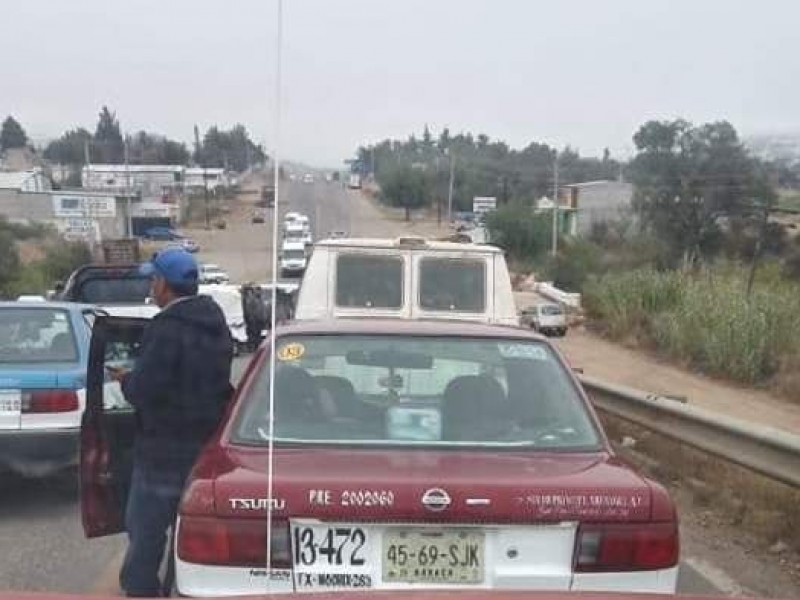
369,281
452,284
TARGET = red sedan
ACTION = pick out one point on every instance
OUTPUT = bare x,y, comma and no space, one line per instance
405,455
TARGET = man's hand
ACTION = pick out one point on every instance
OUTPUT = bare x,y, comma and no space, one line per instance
117,373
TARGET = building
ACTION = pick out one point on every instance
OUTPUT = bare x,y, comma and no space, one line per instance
584,204
77,214
25,181
150,182
196,178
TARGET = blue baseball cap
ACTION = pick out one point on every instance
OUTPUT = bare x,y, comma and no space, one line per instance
175,265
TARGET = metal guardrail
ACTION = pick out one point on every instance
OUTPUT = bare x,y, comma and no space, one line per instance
766,450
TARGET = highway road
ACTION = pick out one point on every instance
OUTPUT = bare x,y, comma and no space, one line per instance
42,546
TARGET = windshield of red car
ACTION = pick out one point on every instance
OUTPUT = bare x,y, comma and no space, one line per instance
417,391
34,335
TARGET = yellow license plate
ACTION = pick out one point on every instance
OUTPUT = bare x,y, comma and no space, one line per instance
431,555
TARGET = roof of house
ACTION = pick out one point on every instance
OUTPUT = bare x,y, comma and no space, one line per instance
118,168
14,180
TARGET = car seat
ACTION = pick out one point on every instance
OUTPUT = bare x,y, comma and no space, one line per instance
473,409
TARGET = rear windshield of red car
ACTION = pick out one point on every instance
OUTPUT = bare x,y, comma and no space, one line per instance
417,391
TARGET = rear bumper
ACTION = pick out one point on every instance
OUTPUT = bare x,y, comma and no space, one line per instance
38,452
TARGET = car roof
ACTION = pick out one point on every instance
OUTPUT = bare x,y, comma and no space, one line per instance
410,327
293,246
416,244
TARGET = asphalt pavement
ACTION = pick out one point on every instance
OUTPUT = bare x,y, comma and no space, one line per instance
42,547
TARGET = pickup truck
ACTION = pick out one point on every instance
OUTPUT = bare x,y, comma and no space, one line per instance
120,290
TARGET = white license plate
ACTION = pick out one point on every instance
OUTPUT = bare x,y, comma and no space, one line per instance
341,555
10,402
432,555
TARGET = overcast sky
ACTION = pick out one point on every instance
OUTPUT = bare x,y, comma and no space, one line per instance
579,72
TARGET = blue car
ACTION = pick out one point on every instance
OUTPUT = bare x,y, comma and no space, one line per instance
162,234
44,352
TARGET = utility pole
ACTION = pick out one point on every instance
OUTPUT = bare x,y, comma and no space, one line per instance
555,206
759,248
450,189
129,223
205,194
438,195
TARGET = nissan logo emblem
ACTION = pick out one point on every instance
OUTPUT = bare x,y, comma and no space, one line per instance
436,499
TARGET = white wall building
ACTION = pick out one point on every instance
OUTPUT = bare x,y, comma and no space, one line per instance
196,178
151,182
25,181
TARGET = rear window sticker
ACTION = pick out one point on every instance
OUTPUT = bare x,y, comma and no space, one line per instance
528,351
293,351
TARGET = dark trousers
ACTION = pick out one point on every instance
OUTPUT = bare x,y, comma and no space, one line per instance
152,508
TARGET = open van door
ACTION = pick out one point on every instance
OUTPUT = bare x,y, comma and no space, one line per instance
107,428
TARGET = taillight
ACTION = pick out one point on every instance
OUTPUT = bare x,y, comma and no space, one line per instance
233,542
627,547
49,401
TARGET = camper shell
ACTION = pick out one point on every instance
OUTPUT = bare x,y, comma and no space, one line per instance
407,278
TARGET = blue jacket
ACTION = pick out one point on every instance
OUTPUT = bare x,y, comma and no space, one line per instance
180,383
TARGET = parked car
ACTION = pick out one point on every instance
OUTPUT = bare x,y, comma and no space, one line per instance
44,350
405,454
160,233
259,216
546,317
189,245
308,178
210,273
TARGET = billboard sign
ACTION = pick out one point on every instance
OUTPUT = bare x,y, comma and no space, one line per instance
77,206
483,204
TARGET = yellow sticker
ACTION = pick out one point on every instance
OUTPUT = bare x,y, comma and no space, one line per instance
291,351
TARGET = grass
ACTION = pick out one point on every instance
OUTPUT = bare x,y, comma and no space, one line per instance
789,199
706,320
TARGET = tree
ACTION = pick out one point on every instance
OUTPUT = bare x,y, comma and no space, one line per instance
12,135
108,146
524,234
688,179
407,187
232,149
69,149
153,149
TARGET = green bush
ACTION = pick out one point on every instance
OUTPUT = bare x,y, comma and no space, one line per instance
704,318
523,234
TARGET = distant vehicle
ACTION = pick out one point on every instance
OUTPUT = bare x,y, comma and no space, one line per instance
162,234
354,182
303,221
267,196
120,290
296,231
337,235
308,178
399,447
189,245
259,216
210,273
44,351
546,318
290,217
293,258
407,278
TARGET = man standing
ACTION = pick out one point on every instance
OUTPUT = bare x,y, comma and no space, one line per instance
179,387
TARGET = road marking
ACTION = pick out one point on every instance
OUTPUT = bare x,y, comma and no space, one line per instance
108,581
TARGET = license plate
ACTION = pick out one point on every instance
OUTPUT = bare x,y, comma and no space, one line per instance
430,555
10,402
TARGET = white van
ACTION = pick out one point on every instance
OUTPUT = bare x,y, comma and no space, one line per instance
297,232
408,278
293,258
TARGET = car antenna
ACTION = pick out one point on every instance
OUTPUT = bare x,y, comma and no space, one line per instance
276,184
